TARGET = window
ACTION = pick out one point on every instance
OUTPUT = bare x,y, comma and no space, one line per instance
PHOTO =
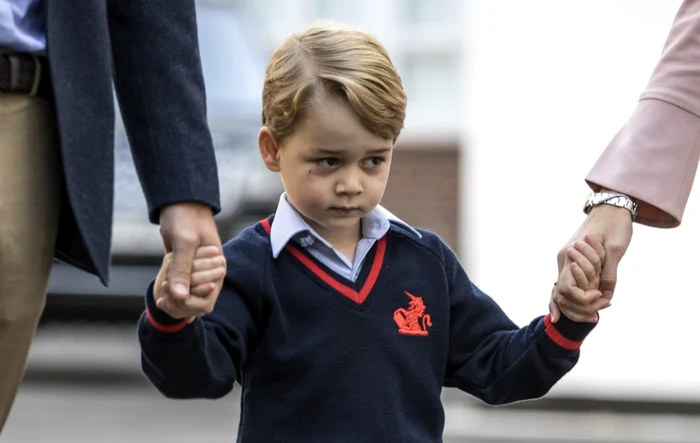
432,84
348,12
232,64
431,12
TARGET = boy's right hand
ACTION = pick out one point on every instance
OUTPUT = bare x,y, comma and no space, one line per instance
208,272
587,258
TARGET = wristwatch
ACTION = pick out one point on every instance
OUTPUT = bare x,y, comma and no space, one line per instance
607,198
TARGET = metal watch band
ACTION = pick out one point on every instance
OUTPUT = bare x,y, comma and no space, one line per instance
614,199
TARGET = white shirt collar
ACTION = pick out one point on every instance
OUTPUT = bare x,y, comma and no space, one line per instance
288,223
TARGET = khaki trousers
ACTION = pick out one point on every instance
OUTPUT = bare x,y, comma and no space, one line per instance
29,211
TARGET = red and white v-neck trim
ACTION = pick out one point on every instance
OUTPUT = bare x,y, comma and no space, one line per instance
349,292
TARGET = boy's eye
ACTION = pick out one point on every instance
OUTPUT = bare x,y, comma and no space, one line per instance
328,162
373,161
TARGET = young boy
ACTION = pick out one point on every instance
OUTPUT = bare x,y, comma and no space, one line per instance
341,322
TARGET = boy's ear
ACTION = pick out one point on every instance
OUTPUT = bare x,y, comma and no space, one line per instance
269,149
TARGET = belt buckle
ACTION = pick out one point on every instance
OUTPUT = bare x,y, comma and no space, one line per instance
15,73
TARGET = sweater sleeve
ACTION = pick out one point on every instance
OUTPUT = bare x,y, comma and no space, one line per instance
494,360
205,358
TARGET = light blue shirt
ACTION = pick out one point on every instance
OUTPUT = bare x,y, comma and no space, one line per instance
290,226
23,26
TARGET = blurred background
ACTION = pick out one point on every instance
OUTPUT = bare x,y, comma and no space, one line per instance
510,104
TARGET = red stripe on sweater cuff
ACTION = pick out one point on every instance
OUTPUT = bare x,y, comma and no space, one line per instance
557,338
177,327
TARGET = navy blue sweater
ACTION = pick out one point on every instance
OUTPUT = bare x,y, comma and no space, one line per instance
320,358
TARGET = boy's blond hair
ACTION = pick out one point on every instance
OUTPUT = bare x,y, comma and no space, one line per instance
342,62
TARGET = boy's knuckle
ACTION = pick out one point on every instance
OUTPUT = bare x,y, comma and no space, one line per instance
208,307
578,299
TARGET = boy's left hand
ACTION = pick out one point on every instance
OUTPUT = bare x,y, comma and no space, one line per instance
587,259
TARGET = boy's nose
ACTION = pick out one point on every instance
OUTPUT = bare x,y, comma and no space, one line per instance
349,185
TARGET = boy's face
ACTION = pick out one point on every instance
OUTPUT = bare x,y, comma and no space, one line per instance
333,169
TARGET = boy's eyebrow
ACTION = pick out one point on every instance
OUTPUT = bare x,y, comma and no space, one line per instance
378,150
371,151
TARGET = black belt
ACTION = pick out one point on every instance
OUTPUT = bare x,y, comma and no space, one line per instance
23,74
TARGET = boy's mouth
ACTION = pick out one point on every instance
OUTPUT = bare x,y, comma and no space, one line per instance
344,210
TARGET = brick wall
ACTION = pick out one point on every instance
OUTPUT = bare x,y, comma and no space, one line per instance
424,188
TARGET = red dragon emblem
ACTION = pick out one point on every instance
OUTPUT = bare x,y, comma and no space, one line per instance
414,320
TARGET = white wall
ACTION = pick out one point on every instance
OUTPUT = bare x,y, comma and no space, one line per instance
549,82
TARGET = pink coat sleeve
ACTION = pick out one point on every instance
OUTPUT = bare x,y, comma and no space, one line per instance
654,156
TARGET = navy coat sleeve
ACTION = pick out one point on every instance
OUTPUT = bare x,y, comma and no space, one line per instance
160,88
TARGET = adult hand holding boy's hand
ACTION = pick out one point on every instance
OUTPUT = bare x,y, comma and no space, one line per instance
586,264
611,226
186,227
208,272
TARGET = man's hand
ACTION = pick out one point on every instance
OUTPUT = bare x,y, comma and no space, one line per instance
208,271
612,226
185,227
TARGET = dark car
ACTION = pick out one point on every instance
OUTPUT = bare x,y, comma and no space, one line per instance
233,66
